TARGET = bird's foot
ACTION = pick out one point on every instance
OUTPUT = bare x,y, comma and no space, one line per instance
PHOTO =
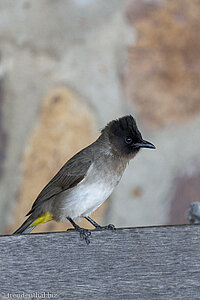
84,233
97,226
107,227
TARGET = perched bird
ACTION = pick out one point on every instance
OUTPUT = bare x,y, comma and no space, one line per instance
88,178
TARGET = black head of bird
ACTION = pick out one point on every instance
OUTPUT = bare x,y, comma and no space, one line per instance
125,136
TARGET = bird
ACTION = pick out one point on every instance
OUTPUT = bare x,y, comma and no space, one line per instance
87,179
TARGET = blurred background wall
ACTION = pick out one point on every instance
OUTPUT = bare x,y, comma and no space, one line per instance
67,67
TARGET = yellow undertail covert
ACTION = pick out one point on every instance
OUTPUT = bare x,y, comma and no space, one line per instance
42,219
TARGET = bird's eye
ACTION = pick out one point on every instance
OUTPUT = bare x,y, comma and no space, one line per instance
128,140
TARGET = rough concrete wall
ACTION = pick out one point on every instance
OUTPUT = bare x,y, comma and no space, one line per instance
105,59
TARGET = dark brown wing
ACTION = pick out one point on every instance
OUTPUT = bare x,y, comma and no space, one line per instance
73,171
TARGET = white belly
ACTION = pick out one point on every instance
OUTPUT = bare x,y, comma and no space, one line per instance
89,194
84,199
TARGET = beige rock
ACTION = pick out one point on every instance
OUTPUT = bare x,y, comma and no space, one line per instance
65,126
163,77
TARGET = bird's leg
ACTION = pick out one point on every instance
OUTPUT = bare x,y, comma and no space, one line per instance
84,233
97,226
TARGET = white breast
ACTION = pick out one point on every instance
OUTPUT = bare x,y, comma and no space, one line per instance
88,195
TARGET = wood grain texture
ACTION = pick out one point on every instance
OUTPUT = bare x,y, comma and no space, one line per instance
136,263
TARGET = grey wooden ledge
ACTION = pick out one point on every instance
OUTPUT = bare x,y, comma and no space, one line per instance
135,263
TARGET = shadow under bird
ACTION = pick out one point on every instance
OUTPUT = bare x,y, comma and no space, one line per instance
88,178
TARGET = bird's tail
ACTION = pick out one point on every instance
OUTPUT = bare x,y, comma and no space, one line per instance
26,226
32,222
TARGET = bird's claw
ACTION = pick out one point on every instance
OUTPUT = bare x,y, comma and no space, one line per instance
84,234
107,227
111,227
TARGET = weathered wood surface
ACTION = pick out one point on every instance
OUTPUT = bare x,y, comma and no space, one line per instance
141,263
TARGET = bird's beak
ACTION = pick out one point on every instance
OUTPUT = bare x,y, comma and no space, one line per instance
144,144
